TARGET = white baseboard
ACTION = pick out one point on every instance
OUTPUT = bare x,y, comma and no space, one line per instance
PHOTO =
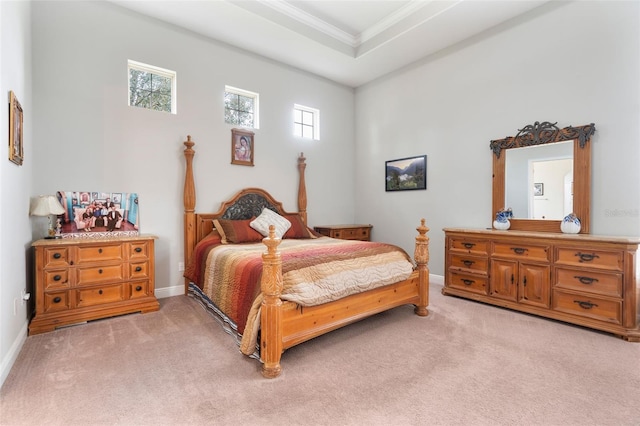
176,290
436,279
12,355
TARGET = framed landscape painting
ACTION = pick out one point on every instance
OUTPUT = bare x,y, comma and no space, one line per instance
406,173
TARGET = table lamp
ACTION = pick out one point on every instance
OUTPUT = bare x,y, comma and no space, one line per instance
47,205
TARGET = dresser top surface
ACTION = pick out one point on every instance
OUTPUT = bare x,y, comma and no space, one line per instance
547,235
73,241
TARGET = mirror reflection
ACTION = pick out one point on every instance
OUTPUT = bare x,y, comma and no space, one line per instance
539,181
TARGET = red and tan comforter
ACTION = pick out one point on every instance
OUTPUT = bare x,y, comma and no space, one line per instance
315,271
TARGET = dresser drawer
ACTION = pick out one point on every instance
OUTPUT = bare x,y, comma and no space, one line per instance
138,250
138,289
584,305
58,278
100,295
602,259
99,274
56,301
99,253
139,270
469,245
55,257
608,284
469,262
521,251
469,282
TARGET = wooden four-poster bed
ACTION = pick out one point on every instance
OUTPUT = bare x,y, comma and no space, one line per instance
279,321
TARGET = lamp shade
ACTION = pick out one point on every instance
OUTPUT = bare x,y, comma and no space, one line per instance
46,205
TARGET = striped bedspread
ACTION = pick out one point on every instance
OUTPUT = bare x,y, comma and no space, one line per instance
315,271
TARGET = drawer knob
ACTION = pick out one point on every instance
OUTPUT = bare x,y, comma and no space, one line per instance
100,291
99,271
138,268
57,277
587,257
57,255
467,282
468,263
585,280
468,245
99,250
519,250
138,288
585,305
57,300
138,249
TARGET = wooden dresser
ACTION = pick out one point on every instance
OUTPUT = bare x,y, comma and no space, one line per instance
77,280
346,232
582,279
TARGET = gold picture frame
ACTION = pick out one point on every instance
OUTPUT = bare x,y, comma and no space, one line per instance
16,147
242,147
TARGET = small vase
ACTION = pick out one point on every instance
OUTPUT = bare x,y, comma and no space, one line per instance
502,225
570,224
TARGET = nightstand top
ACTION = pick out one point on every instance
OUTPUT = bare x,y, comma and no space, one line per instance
347,226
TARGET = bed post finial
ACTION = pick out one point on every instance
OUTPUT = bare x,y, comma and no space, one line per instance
271,311
189,199
302,189
421,257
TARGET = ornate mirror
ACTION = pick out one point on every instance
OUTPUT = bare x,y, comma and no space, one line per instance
543,159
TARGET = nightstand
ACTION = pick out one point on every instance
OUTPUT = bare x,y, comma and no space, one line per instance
346,232
78,280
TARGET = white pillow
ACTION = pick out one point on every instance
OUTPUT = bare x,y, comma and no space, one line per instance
269,217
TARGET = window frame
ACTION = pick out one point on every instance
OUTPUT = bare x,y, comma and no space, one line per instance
316,121
256,105
139,66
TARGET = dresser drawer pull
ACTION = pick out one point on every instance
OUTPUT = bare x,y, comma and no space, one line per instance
99,250
138,288
99,271
100,291
585,305
57,277
467,282
57,255
138,268
138,250
57,300
519,250
587,257
468,263
468,245
585,280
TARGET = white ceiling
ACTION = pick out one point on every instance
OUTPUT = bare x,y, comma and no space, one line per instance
349,41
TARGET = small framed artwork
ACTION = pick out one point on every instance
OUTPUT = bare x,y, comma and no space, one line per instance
16,149
242,147
538,189
406,173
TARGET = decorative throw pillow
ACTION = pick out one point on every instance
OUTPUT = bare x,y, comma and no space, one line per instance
298,228
236,231
269,217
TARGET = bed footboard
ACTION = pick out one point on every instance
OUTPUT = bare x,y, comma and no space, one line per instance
317,320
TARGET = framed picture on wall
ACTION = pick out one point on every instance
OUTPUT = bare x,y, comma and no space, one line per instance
406,173
16,148
242,147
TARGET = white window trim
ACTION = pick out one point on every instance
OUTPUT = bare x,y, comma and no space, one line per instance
158,71
256,103
316,119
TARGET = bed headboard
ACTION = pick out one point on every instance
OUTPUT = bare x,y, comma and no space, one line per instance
245,204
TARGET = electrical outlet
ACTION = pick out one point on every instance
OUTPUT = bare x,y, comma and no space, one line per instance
180,266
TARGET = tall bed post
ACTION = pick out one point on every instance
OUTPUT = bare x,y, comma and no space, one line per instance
271,309
302,189
189,207
421,256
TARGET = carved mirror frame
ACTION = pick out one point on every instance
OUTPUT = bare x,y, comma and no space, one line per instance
539,134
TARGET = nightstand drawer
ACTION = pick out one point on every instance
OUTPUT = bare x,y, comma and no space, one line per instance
100,295
346,232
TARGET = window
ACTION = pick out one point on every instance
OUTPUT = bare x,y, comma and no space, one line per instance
152,87
306,122
241,107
